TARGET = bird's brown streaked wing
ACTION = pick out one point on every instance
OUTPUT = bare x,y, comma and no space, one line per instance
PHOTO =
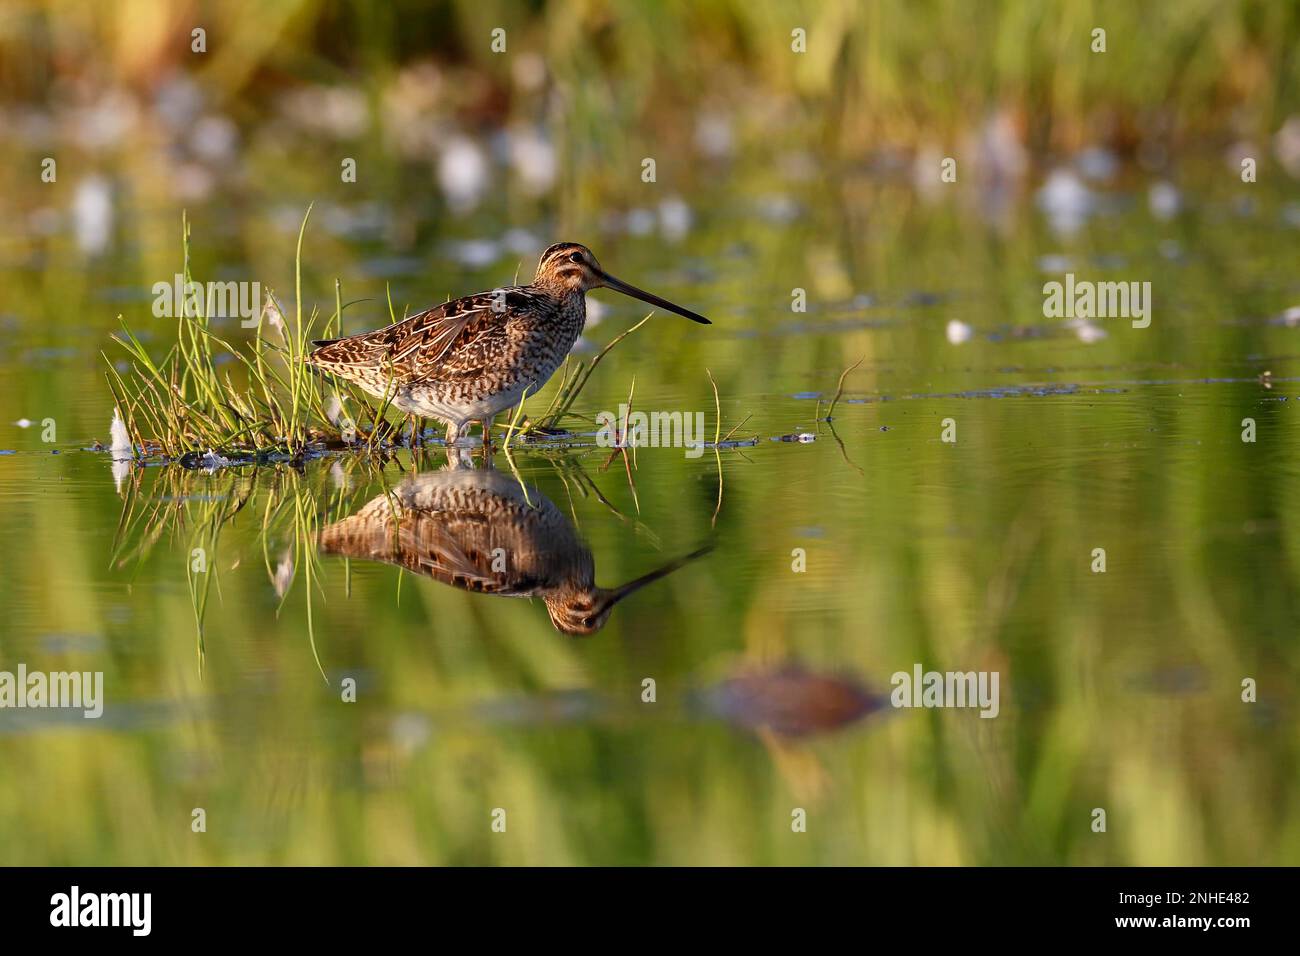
420,339
470,328
466,336
431,334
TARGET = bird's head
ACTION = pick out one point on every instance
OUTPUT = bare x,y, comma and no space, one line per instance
568,267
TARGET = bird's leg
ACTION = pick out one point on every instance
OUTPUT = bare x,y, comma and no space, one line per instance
487,431
453,434
410,424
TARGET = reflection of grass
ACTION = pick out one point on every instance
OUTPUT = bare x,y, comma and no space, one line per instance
145,520
291,512
195,506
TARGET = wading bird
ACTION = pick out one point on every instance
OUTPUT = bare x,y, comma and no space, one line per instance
475,529
468,359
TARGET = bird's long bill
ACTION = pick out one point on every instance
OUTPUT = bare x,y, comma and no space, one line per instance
617,594
618,285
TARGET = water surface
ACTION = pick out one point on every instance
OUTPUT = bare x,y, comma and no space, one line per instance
1120,690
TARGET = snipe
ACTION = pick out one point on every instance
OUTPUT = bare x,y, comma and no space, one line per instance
468,359
474,529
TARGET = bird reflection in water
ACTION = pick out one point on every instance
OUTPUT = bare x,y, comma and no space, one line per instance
473,528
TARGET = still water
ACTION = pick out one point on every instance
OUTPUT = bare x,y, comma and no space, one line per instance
326,661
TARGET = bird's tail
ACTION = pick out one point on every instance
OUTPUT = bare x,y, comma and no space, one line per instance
317,359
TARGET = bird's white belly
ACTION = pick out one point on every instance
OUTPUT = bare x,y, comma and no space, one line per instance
427,405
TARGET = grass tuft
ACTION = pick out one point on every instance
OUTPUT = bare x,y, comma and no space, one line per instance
179,404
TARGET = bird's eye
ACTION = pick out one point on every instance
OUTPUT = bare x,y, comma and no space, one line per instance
575,257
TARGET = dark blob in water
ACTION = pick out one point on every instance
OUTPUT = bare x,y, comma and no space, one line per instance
791,702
